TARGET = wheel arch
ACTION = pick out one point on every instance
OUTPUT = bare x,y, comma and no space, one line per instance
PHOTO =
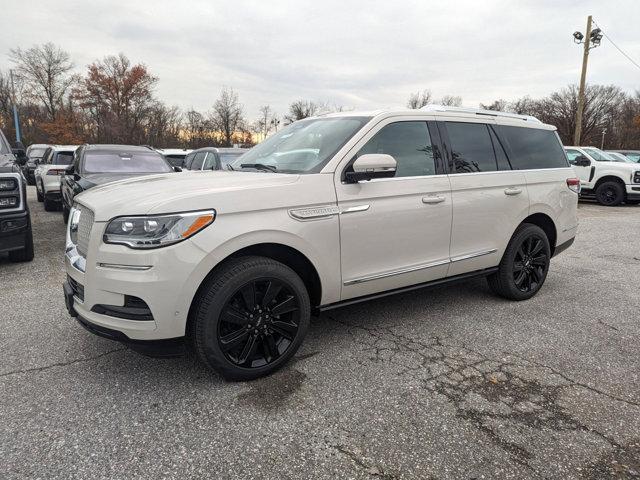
546,223
609,178
285,254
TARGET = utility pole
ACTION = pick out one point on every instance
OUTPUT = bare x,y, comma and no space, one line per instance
16,119
604,130
590,40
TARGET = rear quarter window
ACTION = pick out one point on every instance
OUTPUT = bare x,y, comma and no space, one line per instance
533,148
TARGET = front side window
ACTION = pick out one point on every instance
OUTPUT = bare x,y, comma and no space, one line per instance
533,148
471,147
125,162
188,160
198,161
210,161
598,154
409,143
305,146
572,155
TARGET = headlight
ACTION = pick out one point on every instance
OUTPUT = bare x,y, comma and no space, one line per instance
8,184
155,231
8,202
636,177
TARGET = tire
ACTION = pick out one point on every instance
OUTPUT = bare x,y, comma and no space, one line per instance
610,194
65,213
250,318
40,195
26,254
528,249
49,206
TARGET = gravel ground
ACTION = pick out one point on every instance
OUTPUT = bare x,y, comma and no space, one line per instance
449,383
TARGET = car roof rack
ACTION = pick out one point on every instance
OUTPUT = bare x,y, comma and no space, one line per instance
479,111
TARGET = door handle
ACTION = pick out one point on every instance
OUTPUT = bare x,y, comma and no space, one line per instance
512,191
433,199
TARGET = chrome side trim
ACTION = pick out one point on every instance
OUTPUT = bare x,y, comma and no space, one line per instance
310,213
125,267
468,256
414,268
356,208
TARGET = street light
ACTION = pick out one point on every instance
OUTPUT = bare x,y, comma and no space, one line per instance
590,40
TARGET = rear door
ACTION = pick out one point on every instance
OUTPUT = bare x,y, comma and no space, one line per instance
489,198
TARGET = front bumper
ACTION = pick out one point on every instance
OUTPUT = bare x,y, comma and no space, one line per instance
14,231
633,192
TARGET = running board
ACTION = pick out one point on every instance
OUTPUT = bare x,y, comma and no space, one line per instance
433,283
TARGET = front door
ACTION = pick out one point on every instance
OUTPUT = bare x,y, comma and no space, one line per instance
582,171
395,232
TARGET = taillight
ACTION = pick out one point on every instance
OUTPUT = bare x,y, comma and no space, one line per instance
55,171
573,184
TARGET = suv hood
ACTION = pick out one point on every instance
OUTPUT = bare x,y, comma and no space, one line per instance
166,193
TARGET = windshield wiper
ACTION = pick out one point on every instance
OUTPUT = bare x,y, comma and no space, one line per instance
229,167
260,166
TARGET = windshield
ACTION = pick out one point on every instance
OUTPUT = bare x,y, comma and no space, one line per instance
229,157
302,147
125,162
598,155
62,158
36,152
618,157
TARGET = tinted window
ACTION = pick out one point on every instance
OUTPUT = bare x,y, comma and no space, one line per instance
471,147
409,143
501,156
62,158
198,160
189,160
533,148
210,162
125,162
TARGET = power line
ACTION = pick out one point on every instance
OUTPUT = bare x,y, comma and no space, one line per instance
617,47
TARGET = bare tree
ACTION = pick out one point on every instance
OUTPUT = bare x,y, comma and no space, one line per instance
301,109
419,99
267,121
497,105
45,72
227,116
451,101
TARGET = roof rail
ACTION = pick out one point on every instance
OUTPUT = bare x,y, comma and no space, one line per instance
479,111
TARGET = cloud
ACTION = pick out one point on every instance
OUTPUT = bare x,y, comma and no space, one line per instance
360,54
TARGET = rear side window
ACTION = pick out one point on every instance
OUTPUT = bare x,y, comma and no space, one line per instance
471,147
409,143
533,148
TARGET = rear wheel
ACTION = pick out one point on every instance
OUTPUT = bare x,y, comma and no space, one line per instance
49,205
610,194
524,265
251,318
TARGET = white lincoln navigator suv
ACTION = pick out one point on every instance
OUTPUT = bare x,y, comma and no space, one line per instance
328,211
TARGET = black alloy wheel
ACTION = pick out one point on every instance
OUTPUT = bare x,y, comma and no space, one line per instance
530,264
610,194
259,323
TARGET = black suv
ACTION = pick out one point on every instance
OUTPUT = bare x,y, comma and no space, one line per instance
99,164
16,237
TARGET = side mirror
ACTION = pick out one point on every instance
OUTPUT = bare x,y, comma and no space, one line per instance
177,169
370,166
582,161
21,156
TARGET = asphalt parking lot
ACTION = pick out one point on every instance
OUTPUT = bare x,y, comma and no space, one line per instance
450,383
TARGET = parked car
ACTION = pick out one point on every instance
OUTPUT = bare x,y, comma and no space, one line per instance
34,155
633,155
51,167
175,156
608,181
99,164
212,158
618,157
237,261
16,236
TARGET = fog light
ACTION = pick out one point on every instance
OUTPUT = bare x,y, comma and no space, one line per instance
8,202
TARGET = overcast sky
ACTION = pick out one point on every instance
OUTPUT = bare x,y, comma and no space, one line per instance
359,54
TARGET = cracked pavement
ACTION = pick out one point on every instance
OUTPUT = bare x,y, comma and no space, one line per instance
448,383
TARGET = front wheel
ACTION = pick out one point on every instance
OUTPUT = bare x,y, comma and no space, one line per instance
610,194
250,318
39,194
25,254
524,265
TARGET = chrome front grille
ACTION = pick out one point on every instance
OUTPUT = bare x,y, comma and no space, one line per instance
84,230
